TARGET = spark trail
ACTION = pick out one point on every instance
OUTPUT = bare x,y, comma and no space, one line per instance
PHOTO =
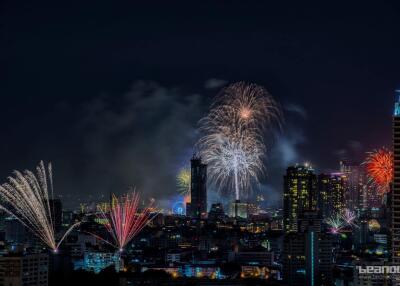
336,224
124,221
349,217
26,196
233,142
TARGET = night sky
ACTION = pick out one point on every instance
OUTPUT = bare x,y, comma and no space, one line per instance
111,94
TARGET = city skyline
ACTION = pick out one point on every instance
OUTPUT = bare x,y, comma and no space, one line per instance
98,107
211,143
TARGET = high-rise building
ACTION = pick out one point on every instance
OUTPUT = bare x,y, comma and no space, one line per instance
299,194
331,194
56,213
395,227
31,269
356,185
307,255
197,207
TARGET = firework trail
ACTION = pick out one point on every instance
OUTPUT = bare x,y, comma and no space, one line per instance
27,197
124,221
233,135
379,166
183,181
336,224
348,217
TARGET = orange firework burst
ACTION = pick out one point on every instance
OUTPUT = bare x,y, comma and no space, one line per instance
379,166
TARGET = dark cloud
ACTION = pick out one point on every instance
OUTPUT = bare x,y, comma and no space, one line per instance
139,139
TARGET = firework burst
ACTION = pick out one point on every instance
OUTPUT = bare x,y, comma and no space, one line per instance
336,224
124,221
348,217
183,181
27,197
233,143
379,166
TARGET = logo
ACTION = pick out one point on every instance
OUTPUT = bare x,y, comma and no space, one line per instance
378,269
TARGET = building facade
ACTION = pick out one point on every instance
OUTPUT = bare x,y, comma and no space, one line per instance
197,208
395,227
307,256
299,195
23,270
331,194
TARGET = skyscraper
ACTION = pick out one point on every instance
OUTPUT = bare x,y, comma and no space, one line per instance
197,208
307,255
331,194
396,184
56,213
299,194
356,184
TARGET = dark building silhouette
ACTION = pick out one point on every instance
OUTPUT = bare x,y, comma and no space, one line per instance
216,213
395,213
307,256
56,213
197,208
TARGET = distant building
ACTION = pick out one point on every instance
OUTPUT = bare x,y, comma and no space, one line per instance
356,185
299,194
56,213
32,269
67,218
15,231
331,194
197,208
239,209
216,212
258,256
97,261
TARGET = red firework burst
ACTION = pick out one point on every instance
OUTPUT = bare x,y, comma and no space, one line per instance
379,166
124,221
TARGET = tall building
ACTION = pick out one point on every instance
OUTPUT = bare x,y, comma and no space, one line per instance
356,185
15,231
331,194
299,194
197,207
307,255
396,184
56,213
23,270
